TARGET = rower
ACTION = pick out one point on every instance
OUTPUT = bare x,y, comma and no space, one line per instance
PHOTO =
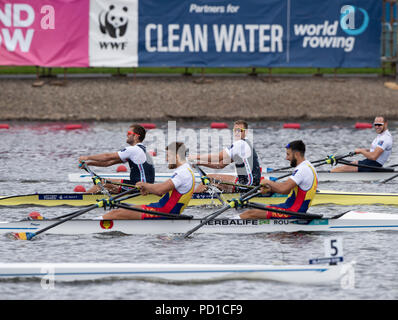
242,154
301,186
140,162
175,193
378,153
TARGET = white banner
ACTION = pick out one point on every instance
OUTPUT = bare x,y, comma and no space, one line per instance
113,33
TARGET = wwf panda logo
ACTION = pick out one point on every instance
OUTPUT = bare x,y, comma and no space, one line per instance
114,21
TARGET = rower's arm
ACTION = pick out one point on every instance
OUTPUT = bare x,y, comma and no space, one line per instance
214,161
158,189
280,187
370,155
102,159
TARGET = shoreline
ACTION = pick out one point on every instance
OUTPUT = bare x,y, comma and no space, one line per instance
193,98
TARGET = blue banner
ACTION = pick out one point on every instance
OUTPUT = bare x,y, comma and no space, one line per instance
259,33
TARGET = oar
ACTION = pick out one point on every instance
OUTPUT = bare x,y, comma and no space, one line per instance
291,213
231,184
376,169
206,181
313,162
123,199
212,216
99,204
96,179
156,213
389,179
207,219
329,160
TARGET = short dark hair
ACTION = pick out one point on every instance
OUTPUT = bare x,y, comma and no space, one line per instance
296,145
178,148
242,122
140,130
382,116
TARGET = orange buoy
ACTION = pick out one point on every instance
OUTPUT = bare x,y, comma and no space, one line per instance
73,126
4,126
291,126
219,125
363,125
79,188
121,168
148,125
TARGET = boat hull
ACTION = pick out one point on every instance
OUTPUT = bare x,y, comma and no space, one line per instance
199,199
352,221
303,274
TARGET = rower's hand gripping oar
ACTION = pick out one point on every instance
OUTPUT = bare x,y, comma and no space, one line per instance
206,181
99,204
332,160
96,179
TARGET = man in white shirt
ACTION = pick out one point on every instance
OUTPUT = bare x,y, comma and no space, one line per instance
175,192
378,153
301,186
242,154
140,162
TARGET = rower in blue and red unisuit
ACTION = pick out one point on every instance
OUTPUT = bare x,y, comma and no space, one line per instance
175,192
301,186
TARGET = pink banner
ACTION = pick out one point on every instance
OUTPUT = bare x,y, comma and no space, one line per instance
44,33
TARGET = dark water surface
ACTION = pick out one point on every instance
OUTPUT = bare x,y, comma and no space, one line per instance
36,157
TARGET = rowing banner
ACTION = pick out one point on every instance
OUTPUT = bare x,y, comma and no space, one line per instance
167,33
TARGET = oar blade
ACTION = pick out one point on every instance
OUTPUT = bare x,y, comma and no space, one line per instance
23,235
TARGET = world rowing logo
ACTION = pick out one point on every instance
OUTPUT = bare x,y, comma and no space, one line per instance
106,224
347,20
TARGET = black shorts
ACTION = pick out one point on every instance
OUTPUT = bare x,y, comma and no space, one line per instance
368,162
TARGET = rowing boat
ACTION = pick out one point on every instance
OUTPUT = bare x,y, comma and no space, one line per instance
81,199
302,274
323,176
350,221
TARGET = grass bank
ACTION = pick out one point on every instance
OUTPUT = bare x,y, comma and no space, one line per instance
10,70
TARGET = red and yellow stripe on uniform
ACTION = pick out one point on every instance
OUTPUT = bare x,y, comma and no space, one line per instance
171,202
298,200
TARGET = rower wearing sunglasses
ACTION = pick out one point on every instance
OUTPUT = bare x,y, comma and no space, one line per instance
242,154
140,162
378,153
